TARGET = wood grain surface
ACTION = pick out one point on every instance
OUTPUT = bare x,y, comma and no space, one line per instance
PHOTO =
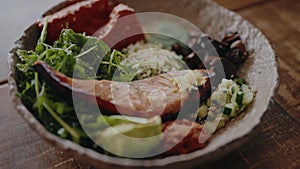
274,143
234,4
21,148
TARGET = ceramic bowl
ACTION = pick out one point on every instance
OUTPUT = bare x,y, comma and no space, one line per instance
260,70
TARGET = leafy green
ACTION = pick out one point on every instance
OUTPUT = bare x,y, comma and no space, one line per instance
77,56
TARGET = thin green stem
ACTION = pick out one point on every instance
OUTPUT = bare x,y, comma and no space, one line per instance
61,64
86,52
44,32
36,86
37,91
117,66
111,61
69,129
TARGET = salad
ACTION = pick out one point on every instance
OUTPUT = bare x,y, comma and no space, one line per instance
155,95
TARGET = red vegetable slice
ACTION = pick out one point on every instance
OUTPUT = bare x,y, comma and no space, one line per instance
82,17
123,28
181,137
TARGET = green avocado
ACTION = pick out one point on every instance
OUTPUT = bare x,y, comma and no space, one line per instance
132,139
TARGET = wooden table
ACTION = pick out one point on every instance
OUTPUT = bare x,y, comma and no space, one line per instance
275,143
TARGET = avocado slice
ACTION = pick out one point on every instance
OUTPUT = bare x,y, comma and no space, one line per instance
132,139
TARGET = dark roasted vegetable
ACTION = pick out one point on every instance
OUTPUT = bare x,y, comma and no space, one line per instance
237,52
204,53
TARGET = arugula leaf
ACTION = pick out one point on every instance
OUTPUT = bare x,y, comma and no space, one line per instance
77,56
67,56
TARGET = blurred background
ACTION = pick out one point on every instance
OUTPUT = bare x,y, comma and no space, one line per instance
15,17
